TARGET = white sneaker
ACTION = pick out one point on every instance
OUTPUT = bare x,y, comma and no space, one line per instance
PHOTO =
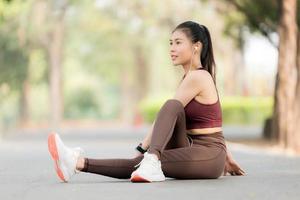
65,158
149,170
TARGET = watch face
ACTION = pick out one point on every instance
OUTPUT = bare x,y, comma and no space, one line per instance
140,149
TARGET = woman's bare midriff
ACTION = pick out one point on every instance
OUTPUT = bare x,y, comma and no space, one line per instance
204,130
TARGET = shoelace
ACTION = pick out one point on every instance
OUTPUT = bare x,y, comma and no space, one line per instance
137,165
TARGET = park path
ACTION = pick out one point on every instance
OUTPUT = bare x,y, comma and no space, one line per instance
26,170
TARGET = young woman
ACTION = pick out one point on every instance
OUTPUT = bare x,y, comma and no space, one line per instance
186,140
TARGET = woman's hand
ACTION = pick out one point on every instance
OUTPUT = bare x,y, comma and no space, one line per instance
232,167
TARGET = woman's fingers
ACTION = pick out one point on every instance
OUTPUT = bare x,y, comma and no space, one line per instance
238,169
233,168
239,172
242,172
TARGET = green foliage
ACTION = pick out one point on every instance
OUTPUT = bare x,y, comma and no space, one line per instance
246,110
259,16
81,103
13,61
8,110
13,54
100,45
235,110
149,107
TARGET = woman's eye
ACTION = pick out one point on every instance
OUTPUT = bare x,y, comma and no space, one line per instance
176,43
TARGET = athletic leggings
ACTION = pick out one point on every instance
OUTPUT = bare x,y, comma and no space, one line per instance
182,156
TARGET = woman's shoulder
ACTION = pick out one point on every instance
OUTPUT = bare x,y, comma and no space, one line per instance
200,75
197,77
203,79
193,76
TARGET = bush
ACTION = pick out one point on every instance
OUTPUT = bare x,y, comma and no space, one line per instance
246,110
149,107
81,103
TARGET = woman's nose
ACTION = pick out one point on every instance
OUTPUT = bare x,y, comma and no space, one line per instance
172,49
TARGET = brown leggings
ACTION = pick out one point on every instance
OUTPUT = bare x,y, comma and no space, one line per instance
182,156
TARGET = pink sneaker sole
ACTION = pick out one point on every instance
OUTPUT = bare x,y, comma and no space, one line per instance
54,154
137,178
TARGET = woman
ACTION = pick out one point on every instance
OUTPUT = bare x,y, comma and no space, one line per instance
186,140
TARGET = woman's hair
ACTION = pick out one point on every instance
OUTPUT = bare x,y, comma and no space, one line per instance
197,32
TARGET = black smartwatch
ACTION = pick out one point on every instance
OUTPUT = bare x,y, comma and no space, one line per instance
140,149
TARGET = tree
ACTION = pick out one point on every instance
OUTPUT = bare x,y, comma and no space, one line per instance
14,54
55,59
267,17
48,30
285,112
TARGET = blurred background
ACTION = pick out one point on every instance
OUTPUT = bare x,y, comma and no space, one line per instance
105,63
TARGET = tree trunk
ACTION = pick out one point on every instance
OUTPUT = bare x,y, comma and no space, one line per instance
141,72
55,51
284,108
126,114
297,102
24,103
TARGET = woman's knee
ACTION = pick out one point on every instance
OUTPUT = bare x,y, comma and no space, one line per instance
173,105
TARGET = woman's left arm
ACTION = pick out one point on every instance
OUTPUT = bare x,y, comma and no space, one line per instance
231,166
189,87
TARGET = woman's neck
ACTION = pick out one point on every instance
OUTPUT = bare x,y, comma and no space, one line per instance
188,68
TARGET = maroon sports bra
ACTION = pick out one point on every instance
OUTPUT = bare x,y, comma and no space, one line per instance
200,115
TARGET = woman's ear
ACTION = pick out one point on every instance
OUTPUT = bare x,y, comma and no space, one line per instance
197,46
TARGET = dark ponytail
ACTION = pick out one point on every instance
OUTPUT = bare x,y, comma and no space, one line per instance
199,33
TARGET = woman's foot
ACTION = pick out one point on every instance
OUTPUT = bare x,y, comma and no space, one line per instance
149,170
65,158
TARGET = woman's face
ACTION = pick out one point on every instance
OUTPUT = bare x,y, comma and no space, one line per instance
180,48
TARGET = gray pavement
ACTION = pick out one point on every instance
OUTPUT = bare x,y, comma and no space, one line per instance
26,171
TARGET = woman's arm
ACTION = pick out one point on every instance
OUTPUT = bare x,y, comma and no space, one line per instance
228,153
147,139
231,166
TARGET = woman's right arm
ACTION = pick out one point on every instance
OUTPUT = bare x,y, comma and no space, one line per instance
147,140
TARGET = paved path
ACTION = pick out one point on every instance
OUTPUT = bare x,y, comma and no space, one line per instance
26,172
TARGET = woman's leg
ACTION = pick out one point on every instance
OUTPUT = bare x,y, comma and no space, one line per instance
168,132
116,168
181,163
178,159
193,162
